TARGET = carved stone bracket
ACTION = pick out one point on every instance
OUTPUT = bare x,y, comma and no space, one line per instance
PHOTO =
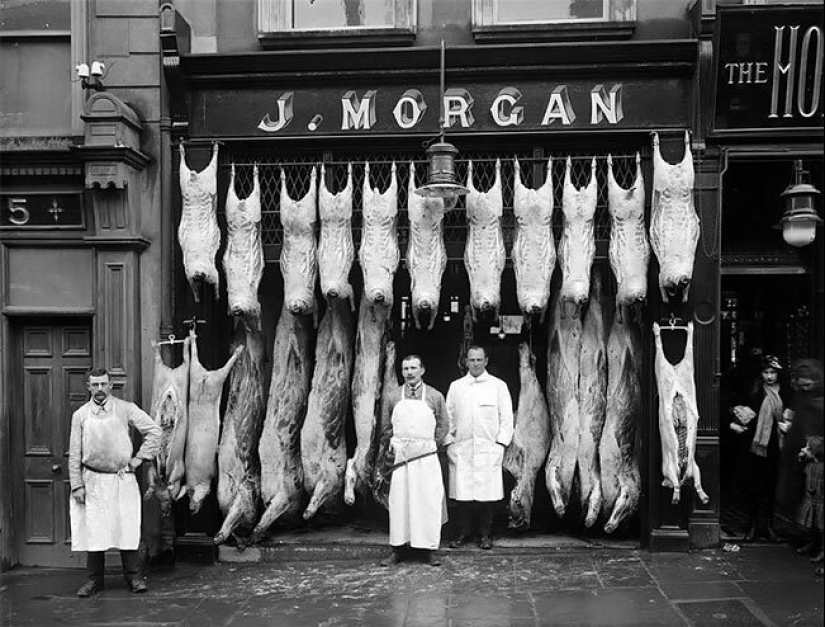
175,38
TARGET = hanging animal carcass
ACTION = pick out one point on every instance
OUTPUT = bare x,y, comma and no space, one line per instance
198,232
336,251
299,264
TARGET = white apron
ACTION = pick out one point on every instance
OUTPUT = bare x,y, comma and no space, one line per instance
110,518
418,507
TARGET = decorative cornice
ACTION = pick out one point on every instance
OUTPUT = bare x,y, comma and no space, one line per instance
136,243
122,154
175,39
673,57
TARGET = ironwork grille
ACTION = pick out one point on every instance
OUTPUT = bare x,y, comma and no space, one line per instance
298,170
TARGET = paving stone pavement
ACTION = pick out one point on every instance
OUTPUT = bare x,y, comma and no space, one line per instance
760,585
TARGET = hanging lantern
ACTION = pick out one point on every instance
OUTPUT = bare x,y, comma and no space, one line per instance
441,181
800,219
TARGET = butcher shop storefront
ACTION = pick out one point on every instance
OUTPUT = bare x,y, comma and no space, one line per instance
767,129
354,270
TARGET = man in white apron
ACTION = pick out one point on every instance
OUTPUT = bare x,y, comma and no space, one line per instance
418,426
481,427
105,508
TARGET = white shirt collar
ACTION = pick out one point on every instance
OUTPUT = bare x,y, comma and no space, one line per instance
484,376
105,408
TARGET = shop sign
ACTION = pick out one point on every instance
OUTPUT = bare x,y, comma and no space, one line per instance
769,64
40,210
550,106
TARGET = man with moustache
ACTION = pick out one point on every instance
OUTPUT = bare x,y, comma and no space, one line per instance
481,427
105,508
417,428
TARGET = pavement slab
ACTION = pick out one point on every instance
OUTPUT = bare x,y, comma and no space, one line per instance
766,585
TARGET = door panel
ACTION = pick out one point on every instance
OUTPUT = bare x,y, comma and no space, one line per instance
53,357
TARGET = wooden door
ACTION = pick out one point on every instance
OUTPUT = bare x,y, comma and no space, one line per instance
52,358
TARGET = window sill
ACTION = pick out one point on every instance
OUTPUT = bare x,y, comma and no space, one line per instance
351,38
533,33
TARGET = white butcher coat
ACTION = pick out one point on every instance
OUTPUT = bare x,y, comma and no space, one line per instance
417,504
480,410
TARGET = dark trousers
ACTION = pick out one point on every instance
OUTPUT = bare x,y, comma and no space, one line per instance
480,512
96,561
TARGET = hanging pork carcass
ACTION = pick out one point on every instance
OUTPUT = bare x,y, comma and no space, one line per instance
564,348
323,445
484,253
426,253
629,249
373,321
198,232
170,395
384,458
299,264
534,249
243,259
678,418
239,466
621,479
527,452
205,392
592,390
336,251
379,253
282,473
674,225
577,247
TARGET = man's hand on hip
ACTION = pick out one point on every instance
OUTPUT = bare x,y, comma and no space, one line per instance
135,463
79,496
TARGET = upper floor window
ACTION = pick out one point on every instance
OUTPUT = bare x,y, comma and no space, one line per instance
519,20
283,23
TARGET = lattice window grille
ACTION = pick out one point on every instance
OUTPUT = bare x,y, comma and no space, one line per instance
298,171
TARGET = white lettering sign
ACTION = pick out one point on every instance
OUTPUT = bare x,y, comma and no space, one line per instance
503,109
409,109
284,116
358,114
559,107
458,104
604,104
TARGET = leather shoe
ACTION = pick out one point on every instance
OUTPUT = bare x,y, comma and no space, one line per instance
458,542
138,586
485,543
392,560
90,587
431,559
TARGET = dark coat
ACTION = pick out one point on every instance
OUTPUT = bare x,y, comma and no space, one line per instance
808,420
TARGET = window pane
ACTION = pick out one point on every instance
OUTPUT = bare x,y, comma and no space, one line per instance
312,14
47,15
514,11
35,107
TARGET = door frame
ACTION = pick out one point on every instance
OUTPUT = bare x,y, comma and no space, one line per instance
12,402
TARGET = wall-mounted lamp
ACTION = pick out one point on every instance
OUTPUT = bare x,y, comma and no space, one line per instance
441,181
800,219
91,78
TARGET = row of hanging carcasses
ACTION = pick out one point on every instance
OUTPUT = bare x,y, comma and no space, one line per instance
273,455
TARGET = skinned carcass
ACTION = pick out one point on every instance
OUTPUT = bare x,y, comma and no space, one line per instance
621,479
205,391
282,473
426,253
243,259
373,321
323,446
674,225
592,390
379,253
170,395
198,232
629,248
563,349
484,253
299,263
239,466
336,251
531,441
534,250
384,457
678,417
577,247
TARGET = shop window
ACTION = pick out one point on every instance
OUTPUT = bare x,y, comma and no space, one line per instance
533,20
297,23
